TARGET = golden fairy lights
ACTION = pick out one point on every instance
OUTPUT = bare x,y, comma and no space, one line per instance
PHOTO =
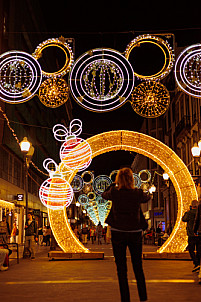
61,44
150,99
7,204
165,48
152,148
53,92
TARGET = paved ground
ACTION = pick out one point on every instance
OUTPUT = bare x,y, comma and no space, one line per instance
95,280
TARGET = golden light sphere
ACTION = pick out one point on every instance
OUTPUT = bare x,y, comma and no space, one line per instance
53,92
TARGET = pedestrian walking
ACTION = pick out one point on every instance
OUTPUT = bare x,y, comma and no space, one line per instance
4,230
30,233
14,233
197,232
193,241
92,234
84,234
126,229
40,236
76,231
99,231
48,235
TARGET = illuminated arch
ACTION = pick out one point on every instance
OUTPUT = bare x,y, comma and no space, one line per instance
147,146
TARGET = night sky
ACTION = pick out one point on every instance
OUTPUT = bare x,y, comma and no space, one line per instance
113,25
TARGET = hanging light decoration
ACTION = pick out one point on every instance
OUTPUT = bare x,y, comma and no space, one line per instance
55,192
101,80
188,70
75,152
166,51
53,92
150,99
20,76
61,44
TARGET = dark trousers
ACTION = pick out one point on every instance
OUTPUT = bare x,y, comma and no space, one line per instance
120,241
194,244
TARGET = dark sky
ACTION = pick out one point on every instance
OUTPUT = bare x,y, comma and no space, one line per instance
114,24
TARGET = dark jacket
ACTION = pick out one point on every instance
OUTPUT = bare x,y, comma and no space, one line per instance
189,217
31,228
197,224
126,206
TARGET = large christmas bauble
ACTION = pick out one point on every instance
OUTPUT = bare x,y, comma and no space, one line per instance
56,192
76,153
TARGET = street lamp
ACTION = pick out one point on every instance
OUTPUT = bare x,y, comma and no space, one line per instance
28,151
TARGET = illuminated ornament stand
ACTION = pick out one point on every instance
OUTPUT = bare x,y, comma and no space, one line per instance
20,76
150,99
101,80
188,70
157,151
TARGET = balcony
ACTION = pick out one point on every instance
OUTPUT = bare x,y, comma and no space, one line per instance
183,126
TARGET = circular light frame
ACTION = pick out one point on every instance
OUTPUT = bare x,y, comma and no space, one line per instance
54,92
150,99
20,76
101,183
188,70
65,47
165,48
84,93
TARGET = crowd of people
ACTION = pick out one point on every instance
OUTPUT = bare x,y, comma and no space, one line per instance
33,236
125,224
94,234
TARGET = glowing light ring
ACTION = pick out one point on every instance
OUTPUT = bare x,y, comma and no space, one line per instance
60,43
20,76
148,175
93,66
57,196
188,70
165,48
90,174
113,173
91,196
157,151
150,99
83,199
101,183
54,92
77,183
137,180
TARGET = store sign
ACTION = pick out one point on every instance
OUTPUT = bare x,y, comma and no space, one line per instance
36,212
20,197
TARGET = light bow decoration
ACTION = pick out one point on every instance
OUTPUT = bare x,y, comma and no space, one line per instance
101,80
188,70
150,99
147,146
75,152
